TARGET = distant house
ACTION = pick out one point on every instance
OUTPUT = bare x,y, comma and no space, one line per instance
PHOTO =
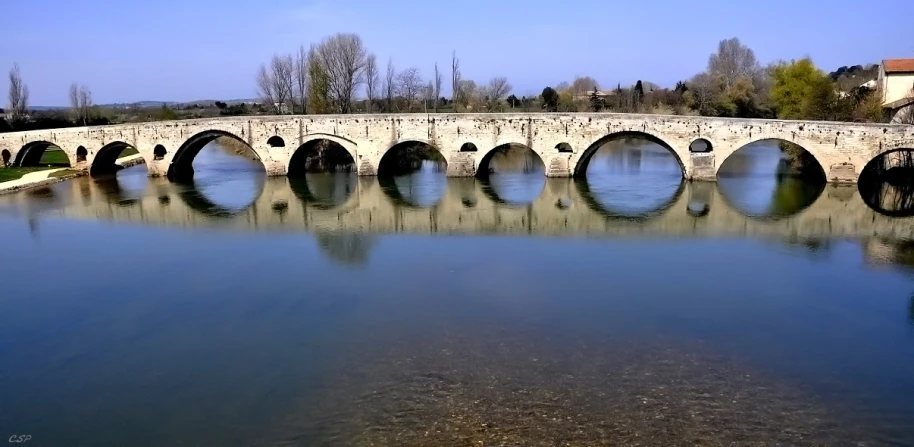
896,82
600,94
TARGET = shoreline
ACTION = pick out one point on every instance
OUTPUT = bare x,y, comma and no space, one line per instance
22,184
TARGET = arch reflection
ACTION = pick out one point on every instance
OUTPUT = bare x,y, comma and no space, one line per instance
761,181
512,174
886,183
631,176
325,190
423,188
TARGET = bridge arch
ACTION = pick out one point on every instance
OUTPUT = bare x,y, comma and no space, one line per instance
197,200
407,155
30,154
484,169
805,153
104,162
81,154
5,157
181,167
580,168
307,144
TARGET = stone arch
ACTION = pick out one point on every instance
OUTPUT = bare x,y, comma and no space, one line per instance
482,166
701,146
736,147
314,195
159,152
564,148
181,167
81,154
276,141
348,145
580,168
104,162
30,154
5,157
393,159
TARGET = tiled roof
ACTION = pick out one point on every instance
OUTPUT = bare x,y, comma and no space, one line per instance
898,65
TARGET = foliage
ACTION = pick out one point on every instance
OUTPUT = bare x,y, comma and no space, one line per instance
166,114
550,99
597,103
802,91
319,88
513,101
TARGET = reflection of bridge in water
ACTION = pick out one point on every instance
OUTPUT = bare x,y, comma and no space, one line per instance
468,206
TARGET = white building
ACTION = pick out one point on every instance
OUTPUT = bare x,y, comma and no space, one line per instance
896,82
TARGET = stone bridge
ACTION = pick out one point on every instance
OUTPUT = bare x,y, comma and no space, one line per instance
565,142
565,207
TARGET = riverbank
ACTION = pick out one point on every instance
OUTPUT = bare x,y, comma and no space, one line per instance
46,177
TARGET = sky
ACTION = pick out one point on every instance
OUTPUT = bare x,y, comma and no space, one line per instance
185,50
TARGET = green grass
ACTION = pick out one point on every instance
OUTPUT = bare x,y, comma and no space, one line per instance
130,150
7,174
54,156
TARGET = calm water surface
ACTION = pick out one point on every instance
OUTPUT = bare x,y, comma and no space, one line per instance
625,309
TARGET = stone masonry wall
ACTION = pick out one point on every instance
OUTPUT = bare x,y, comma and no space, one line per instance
843,149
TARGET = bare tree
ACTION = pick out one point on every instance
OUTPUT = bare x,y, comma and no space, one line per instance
371,79
344,58
468,93
275,86
583,85
283,80
265,88
437,86
702,91
18,96
732,61
498,88
390,84
429,93
409,86
301,79
455,80
81,102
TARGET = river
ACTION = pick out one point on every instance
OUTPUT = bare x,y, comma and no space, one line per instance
630,308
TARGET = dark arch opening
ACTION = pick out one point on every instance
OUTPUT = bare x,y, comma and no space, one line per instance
770,179
700,146
81,154
276,141
159,152
5,155
320,156
886,183
588,155
564,148
41,153
468,147
182,165
409,157
105,161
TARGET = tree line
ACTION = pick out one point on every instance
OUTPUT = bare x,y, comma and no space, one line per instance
340,75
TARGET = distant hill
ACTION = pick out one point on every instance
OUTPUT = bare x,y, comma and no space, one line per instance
155,104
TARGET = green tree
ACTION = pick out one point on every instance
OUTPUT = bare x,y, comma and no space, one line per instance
166,114
639,93
800,89
597,103
319,88
550,99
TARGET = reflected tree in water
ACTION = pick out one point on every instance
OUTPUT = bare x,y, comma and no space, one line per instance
349,249
792,195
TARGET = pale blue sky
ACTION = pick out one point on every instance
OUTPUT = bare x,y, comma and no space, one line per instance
181,50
